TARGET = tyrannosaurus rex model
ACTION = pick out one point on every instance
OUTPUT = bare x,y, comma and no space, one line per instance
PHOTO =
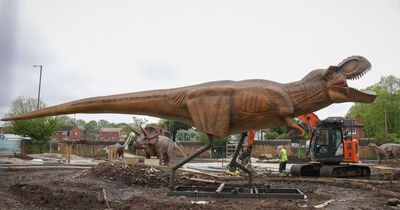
222,108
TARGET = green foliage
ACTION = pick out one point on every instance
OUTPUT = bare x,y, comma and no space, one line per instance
91,125
280,129
270,134
138,122
174,126
283,136
81,124
218,141
381,119
65,120
187,135
40,129
105,124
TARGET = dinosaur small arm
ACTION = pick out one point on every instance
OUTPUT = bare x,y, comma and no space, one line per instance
222,108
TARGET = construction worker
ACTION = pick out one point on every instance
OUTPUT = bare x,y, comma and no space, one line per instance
282,160
245,156
247,148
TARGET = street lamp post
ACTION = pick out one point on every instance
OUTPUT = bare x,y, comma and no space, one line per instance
40,83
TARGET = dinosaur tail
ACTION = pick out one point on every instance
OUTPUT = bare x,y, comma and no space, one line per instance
177,147
154,103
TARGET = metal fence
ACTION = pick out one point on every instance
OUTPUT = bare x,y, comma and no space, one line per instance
299,150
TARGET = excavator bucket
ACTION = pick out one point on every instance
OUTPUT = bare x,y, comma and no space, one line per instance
311,119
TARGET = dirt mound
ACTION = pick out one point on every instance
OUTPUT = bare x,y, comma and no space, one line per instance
142,175
36,196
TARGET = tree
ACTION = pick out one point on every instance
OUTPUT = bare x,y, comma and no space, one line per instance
187,135
81,124
24,104
91,125
174,126
218,141
65,120
138,122
104,124
40,130
381,119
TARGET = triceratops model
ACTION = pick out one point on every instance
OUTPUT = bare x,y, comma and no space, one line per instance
153,143
222,108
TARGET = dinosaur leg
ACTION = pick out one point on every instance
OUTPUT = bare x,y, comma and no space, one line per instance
189,158
288,122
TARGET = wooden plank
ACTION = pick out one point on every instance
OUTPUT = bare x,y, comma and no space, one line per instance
202,180
220,188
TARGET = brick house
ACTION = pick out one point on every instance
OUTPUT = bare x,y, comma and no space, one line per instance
111,134
68,133
358,128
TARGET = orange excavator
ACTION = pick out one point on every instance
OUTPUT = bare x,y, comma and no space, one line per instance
333,151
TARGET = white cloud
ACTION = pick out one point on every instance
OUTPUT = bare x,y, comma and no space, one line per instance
90,48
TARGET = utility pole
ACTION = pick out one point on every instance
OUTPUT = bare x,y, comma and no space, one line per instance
40,83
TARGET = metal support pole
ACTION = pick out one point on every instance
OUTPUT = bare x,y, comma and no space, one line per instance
234,163
40,84
236,153
189,158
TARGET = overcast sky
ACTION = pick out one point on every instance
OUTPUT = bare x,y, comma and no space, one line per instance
93,48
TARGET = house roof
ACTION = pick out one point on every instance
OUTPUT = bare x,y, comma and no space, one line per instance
111,130
346,121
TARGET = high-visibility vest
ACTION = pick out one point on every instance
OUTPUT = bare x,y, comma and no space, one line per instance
282,155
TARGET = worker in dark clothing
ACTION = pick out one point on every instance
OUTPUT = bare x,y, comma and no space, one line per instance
245,156
247,148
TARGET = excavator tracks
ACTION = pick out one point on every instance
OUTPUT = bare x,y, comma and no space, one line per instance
338,171
342,171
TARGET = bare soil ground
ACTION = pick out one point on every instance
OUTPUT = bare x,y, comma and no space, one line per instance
144,187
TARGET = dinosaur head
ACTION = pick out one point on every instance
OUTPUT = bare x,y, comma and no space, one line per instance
148,136
336,78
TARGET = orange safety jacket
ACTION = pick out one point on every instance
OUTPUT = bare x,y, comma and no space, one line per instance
250,137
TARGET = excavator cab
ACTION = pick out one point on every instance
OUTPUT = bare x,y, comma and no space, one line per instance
326,145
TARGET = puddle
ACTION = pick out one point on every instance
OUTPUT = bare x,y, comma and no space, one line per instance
320,197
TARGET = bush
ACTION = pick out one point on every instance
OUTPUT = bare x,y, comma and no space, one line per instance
271,135
283,136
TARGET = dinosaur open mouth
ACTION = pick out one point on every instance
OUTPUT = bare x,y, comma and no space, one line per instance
354,95
353,68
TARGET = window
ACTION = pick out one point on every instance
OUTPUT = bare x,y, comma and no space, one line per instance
322,143
337,137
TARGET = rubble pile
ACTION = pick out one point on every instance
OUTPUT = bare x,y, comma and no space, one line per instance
142,175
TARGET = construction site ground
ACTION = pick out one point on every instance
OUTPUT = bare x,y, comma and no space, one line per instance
118,185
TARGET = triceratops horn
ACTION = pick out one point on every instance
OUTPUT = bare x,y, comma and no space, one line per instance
144,131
